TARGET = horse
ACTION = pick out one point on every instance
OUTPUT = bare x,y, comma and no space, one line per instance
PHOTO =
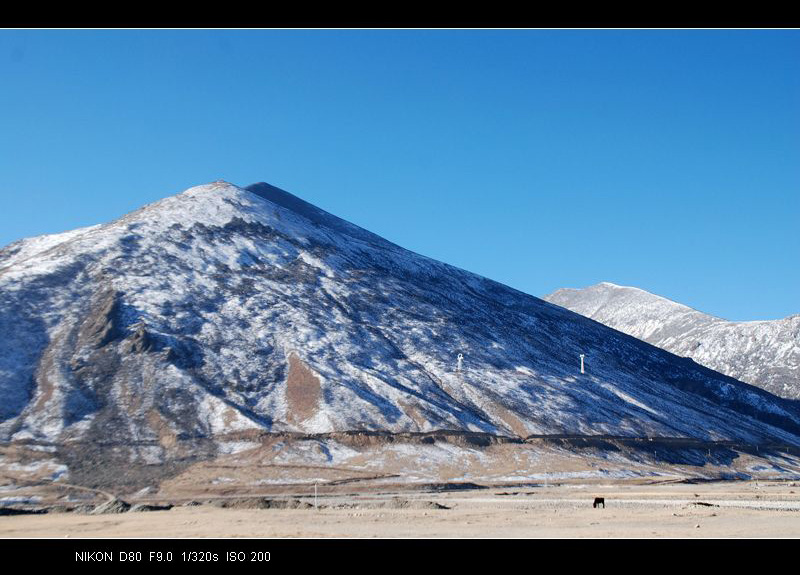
599,501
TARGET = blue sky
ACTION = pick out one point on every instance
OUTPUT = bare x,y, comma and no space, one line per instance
667,160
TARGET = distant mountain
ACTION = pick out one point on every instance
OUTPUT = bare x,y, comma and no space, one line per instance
763,353
225,310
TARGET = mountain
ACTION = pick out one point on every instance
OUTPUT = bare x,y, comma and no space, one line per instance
762,353
224,313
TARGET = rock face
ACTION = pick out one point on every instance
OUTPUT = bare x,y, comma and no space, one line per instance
143,507
223,311
762,353
111,506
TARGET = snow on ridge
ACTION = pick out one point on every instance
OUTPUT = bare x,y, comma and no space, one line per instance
765,353
26,248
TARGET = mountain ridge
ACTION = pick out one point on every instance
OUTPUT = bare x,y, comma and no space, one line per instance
765,353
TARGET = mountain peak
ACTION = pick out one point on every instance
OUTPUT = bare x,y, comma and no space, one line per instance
312,213
285,199
618,287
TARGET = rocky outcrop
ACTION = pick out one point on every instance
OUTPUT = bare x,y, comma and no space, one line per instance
110,507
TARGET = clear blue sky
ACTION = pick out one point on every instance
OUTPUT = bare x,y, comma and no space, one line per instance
667,160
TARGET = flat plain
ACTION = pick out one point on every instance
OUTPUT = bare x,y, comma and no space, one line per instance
744,509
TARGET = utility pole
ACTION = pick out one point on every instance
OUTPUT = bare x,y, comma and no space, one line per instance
545,474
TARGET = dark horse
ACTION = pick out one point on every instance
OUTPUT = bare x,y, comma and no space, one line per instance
599,501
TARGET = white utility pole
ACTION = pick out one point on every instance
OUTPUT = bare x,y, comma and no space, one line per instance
582,356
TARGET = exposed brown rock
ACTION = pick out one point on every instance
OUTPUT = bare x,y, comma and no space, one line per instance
303,391
507,416
139,342
412,412
102,323
166,437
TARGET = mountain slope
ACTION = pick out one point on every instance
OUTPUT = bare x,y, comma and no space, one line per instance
222,310
763,353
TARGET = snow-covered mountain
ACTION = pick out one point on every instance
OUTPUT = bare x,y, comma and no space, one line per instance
225,309
763,353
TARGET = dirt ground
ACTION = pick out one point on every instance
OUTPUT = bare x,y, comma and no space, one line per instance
723,509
